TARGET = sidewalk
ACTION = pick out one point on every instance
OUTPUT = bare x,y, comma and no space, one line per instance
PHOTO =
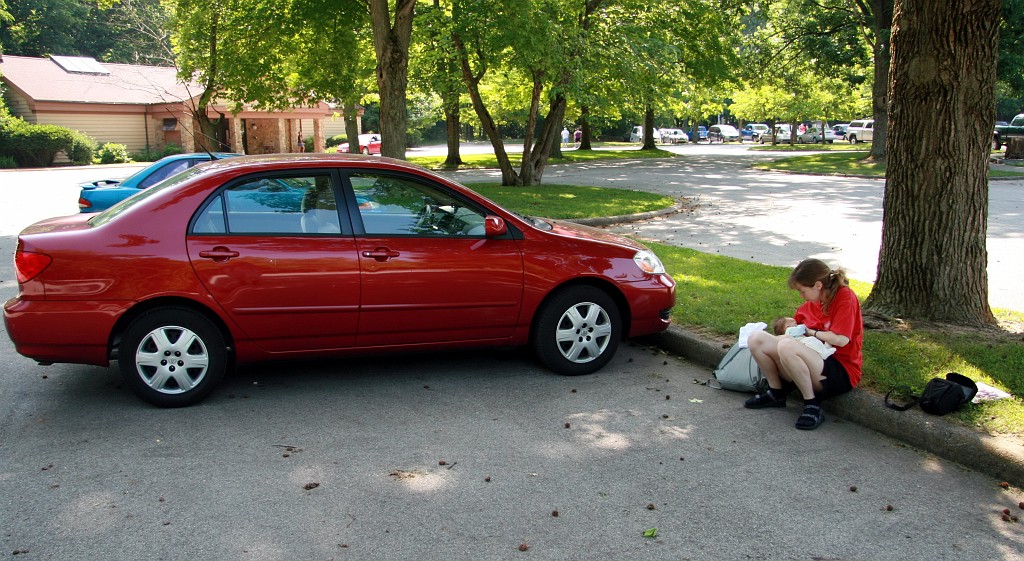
1001,457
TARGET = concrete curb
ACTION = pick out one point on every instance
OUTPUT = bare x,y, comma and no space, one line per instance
996,456
623,218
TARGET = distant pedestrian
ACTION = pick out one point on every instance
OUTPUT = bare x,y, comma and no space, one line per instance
831,314
577,137
565,137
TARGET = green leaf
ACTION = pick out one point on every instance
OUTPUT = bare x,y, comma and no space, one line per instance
651,533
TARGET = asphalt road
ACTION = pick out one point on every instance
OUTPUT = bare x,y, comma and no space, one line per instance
343,460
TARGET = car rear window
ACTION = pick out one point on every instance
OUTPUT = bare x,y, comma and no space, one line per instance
115,210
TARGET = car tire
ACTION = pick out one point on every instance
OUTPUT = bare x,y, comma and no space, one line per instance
853,139
577,331
366,150
172,357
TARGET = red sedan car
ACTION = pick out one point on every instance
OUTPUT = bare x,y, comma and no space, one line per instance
368,144
268,257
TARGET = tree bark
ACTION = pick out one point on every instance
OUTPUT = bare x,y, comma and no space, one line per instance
933,260
391,44
882,13
585,129
649,129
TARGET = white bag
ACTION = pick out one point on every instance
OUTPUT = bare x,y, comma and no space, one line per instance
738,372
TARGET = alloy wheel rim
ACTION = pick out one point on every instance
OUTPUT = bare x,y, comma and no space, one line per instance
583,332
172,360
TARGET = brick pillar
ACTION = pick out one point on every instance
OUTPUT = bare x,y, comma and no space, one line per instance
236,136
319,142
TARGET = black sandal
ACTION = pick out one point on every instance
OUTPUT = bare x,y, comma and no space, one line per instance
811,418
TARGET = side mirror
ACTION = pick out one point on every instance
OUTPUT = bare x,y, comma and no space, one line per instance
494,226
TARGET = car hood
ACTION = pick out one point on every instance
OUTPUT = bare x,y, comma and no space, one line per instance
573,230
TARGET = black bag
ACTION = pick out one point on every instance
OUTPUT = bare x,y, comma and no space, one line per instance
940,396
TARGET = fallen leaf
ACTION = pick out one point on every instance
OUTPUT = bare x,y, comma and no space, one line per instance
695,400
651,533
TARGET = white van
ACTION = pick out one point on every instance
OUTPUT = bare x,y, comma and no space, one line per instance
638,134
860,131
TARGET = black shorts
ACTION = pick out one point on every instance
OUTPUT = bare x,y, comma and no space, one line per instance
836,381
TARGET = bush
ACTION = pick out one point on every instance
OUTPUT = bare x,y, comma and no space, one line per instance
37,145
82,148
151,155
111,153
7,162
336,140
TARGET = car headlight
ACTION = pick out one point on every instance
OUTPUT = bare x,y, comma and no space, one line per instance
649,262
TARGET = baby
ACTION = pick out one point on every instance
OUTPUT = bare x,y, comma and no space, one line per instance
788,326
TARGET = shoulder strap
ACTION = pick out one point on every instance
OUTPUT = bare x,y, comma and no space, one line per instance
901,390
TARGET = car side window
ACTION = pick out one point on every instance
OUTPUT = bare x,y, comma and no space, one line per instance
300,205
397,206
164,172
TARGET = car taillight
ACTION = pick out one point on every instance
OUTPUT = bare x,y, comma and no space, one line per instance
82,203
27,264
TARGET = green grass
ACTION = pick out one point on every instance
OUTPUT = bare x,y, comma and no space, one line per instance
490,161
845,163
572,201
786,147
716,295
839,163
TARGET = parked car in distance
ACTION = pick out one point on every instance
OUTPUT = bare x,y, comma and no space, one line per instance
723,133
702,133
368,144
637,134
813,135
101,194
1004,132
860,131
782,134
674,136
753,131
284,256
839,131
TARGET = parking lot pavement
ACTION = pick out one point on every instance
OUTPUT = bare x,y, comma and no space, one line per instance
467,456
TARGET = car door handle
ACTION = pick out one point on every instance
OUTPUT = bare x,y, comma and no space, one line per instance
381,254
218,254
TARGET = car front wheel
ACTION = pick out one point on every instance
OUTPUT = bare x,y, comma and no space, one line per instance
172,357
577,331
853,139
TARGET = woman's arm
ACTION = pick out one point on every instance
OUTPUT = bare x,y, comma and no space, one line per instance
834,339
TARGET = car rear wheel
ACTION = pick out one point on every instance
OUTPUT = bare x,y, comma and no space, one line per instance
577,331
366,150
853,139
172,357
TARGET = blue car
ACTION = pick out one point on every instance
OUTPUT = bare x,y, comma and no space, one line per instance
102,194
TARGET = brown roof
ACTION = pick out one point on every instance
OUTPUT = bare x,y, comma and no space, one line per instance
43,79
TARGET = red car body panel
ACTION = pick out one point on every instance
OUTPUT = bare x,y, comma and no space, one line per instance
310,296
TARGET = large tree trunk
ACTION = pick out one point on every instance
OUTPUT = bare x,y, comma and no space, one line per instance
933,259
391,44
882,13
585,129
452,124
550,136
649,129
350,112
508,174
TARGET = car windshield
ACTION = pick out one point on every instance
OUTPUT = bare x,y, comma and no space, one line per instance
112,212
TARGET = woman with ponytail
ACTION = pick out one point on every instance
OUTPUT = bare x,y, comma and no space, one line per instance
831,314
